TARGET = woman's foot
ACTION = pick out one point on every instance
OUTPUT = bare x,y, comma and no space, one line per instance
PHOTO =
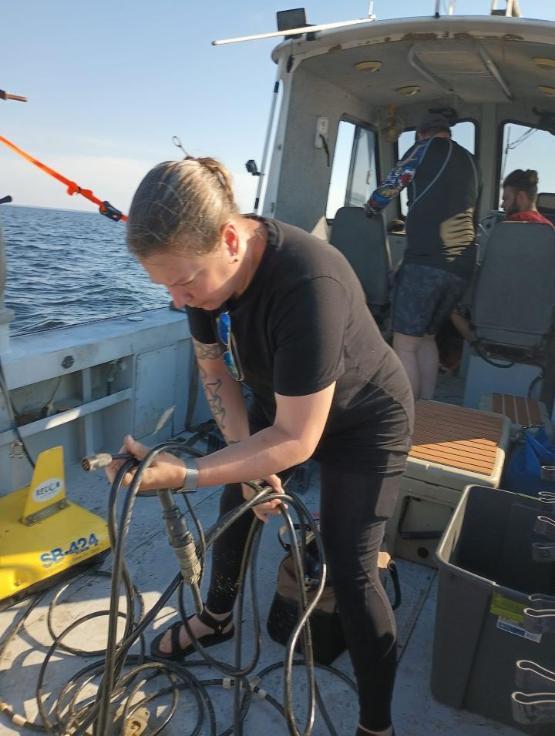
209,628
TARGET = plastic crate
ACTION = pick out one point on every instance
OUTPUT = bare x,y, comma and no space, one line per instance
486,573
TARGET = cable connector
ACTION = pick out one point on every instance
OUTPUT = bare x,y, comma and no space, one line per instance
181,540
102,460
261,693
189,563
136,724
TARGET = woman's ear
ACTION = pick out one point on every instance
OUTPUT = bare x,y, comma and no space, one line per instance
230,237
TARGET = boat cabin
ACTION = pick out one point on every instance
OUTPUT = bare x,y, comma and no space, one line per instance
351,99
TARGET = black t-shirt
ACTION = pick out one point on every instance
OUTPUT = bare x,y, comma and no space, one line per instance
303,323
442,198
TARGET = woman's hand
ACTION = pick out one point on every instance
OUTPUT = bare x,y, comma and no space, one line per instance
166,471
263,511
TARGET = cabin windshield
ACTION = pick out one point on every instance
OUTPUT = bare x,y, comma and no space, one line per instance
527,148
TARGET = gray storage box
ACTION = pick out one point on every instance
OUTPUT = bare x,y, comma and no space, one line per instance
452,447
486,573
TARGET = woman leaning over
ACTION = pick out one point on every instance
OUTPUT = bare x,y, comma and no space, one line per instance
273,307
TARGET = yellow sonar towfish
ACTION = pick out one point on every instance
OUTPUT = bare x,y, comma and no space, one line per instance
42,534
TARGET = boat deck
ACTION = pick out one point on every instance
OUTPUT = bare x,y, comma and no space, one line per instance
152,565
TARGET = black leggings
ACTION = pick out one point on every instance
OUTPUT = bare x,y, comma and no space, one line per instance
354,507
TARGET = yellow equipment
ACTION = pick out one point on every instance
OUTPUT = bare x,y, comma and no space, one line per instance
42,534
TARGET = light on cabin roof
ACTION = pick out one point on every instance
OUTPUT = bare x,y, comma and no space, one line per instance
544,63
409,90
546,90
369,66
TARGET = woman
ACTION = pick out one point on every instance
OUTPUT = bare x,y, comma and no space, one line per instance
282,311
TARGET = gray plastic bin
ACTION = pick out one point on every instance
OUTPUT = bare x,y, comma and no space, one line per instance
486,573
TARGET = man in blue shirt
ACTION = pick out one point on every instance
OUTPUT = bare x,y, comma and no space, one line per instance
443,186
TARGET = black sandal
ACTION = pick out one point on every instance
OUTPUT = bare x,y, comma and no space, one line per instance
177,652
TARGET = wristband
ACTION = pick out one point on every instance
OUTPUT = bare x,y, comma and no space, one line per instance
191,476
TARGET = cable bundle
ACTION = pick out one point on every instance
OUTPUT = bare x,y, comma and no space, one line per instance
118,706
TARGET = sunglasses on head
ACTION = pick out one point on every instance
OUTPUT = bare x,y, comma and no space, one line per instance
230,356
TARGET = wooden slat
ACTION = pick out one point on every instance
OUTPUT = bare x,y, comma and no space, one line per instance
455,436
520,409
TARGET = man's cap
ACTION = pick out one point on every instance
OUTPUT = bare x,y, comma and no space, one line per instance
433,121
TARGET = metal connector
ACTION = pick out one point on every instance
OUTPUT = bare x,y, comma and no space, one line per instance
181,539
102,460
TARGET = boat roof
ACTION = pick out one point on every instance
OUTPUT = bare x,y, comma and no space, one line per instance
462,55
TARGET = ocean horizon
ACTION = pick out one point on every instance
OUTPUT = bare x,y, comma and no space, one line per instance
67,267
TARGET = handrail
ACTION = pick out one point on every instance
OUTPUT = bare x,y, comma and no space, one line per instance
70,415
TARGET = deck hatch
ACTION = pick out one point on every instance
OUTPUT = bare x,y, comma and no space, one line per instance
457,437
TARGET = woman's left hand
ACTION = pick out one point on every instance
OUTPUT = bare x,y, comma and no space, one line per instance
264,511
166,471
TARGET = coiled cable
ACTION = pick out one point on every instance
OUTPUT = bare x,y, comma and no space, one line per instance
121,676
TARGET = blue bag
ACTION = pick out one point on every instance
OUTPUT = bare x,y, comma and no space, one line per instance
523,471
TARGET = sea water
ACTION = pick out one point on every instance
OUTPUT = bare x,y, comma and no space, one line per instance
66,267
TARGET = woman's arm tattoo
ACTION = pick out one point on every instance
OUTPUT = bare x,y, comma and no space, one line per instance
207,352
212,388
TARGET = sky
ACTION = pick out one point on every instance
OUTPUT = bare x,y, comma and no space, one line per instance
109,83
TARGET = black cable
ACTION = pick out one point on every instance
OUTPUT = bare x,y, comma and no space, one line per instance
301,628
478,347
114,661
5,708
11,415
103,699
122,675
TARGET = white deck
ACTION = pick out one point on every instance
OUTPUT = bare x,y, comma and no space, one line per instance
152,564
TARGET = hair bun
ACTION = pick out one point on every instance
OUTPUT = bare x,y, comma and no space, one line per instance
531,176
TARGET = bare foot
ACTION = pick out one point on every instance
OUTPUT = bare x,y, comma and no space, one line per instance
197,627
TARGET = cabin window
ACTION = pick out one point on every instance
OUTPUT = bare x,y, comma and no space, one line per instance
527,148
463,133
353,174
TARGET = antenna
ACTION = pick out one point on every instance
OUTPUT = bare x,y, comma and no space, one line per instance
297,31
449,6
512,9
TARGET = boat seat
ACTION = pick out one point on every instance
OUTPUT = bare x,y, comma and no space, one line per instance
546,205
513,306
363,242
